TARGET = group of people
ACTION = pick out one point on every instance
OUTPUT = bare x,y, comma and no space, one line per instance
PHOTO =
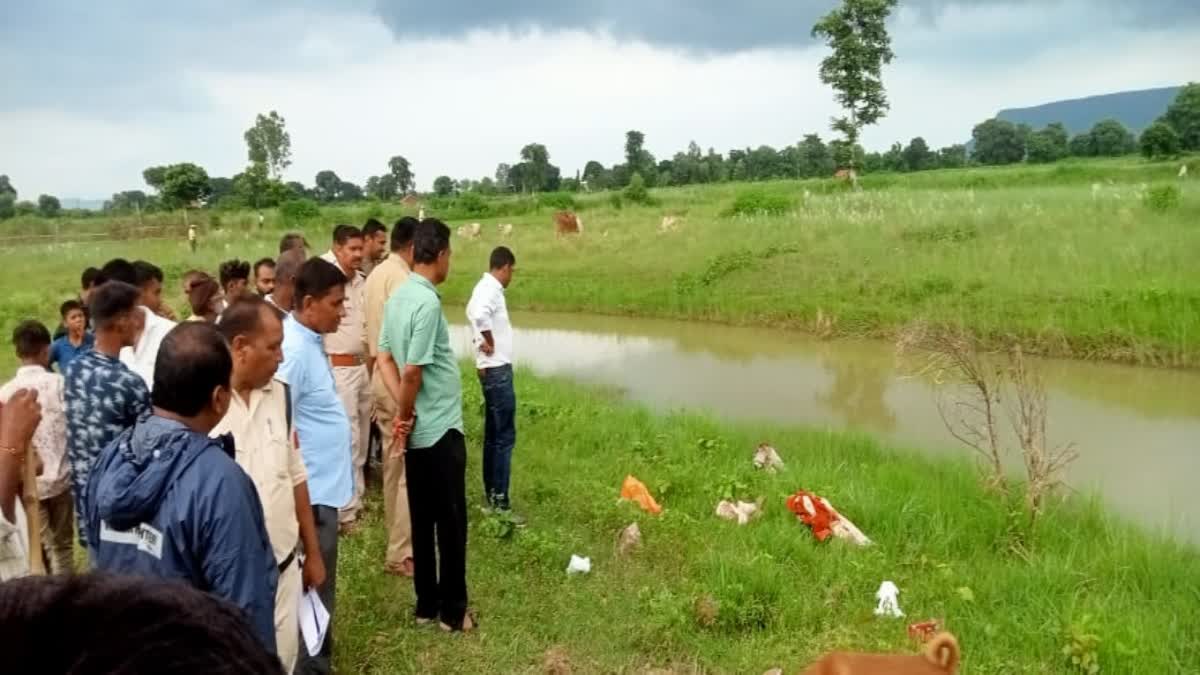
228,450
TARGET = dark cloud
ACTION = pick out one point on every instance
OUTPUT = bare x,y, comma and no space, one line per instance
707,25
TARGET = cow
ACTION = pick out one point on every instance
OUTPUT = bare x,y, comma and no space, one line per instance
1183,171
846,175
566,222
505,229
470,231
668,224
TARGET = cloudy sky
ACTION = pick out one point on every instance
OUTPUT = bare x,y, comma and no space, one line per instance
96,91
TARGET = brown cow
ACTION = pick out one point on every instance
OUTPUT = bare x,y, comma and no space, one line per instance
566,222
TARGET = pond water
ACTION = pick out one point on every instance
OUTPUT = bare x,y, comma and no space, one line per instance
1137,429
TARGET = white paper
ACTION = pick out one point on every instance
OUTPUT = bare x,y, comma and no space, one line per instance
889,604
314,621
579,565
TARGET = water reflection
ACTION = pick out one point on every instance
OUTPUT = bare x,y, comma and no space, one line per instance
1138,429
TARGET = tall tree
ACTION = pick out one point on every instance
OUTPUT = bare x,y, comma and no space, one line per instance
155,176
1049,144
49,206
918,156
401,171
1110,138
184,184
443,186
384,188
815,159
1160,140
952,156
503,180
1081,145
997,141
256,187
127,200
857,33
8,207
325,186
538,158
268,142
6,187
594,174
1184,116
348,192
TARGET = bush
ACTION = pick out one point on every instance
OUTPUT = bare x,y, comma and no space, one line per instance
558,200
1162,197
296,211
757,202
472,205
615,201
637,193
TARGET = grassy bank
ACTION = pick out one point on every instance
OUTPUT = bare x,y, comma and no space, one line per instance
704,595
1070,259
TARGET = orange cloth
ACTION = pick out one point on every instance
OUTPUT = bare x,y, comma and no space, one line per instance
635,491
815,512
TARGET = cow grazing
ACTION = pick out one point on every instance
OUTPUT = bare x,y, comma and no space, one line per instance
470,231
566,222
846,175
668,224
505,229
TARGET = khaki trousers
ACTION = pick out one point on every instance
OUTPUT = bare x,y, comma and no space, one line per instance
395,479
287,616
58,532
354,390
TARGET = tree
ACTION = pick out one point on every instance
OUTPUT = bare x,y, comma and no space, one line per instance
6,187
49,206
815,159
1048,144
1110,138
325,186
8,207
269,143
256,187
183,185
952,156
538,157
487,186
348,192
401,171
443,186
1184,116
918,156
219,188
384,188
857,33
997,142
503,180
25,208
893,159
296,189
154,177
1160,140
1081,145
595,175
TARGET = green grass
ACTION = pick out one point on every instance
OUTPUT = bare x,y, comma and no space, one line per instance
781,597
1068,258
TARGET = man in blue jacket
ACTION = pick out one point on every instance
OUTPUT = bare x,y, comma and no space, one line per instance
165,500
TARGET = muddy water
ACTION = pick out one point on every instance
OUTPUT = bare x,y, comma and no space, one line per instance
1137,429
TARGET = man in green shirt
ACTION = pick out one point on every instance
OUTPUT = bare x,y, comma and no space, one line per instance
421,373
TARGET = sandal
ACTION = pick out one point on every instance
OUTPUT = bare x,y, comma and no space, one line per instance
404,568
469,623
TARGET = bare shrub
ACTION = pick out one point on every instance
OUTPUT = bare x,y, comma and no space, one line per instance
973,389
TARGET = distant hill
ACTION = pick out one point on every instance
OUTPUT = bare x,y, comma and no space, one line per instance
1135,109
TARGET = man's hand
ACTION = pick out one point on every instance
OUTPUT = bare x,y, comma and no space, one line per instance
313,572
19,419
401,428
487,348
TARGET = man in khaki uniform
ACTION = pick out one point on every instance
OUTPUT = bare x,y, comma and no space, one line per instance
347,354
258,418
383,280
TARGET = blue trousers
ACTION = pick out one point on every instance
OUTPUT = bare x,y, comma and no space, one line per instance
499,433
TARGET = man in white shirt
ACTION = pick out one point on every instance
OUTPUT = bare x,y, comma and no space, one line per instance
260,421
19,418
141,356
487,314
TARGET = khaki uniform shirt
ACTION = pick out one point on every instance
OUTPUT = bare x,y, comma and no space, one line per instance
383,281
350,337
266,451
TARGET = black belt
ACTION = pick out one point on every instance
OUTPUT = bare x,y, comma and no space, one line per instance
287,562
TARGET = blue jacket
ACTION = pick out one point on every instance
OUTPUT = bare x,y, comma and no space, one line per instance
165,501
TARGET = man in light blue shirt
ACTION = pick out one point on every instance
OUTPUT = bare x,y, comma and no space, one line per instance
320,420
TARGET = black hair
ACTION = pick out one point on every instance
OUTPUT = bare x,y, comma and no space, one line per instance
429,240
292,240
317,278
344,233
88,278
144,272
118,269
201,293
233,270
501,257
112,300
372,226
192,362
101,623
402,233
263,261
68,307
243,317
30,338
